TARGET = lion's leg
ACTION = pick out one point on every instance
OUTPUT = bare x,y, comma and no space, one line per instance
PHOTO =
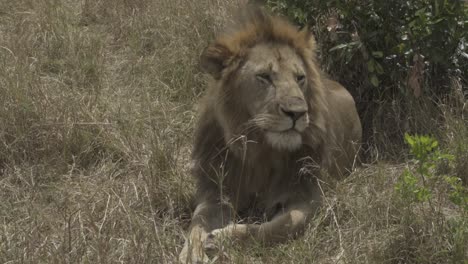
284,225
207,216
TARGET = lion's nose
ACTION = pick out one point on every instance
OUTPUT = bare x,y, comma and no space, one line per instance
293,114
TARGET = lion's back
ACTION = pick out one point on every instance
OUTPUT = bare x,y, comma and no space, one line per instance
344,121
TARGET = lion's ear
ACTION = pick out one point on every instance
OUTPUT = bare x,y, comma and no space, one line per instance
214,59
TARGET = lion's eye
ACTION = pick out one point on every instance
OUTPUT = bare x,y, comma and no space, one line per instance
264,77
300,78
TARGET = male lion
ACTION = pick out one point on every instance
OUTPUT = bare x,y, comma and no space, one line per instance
269,124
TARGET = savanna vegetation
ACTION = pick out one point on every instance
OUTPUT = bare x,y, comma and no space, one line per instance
98,101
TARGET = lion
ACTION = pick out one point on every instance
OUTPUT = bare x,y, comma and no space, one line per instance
269,125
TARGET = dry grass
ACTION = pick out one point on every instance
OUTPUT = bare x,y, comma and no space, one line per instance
97,108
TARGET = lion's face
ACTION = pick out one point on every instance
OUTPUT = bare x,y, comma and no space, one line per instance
267,84
272,82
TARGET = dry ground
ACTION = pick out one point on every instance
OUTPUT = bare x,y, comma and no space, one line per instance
97,106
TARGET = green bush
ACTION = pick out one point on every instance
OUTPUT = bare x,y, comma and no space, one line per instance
380,46
423,191
419,184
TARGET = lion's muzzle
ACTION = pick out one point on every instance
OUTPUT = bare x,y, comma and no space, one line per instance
295,109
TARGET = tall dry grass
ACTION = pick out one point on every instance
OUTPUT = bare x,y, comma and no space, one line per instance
97,104
97,112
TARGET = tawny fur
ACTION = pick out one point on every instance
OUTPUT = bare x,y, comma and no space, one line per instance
240,175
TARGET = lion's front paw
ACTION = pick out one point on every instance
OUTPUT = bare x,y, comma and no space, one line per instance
210,245
192,255
232,231
214,249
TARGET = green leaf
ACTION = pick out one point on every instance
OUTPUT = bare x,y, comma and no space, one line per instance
423,194
446,156
370,65
374,80
401,48
378,68
409,139
377,54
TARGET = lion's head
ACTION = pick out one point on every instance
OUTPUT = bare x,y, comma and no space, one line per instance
267,82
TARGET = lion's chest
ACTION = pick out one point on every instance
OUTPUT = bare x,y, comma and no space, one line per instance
264,187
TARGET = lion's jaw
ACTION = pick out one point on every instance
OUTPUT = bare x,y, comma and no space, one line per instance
288,140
